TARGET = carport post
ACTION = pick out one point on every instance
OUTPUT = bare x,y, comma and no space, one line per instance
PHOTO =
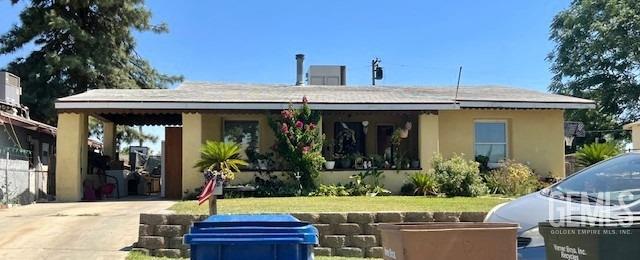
6,180
71,155
109,139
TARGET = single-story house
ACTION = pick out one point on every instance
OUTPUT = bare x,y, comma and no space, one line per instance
494,121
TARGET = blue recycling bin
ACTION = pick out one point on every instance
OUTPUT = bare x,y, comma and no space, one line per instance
231,237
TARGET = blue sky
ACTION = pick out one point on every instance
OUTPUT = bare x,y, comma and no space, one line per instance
420,42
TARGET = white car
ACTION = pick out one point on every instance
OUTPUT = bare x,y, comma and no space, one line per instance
607,189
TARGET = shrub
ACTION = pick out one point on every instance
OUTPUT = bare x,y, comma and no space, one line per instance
595,152
484,163
331,190
269,185
359,186
458,177
424,183
299,143
512,179
408,189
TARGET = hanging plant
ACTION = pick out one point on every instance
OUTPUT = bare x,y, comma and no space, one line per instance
299,143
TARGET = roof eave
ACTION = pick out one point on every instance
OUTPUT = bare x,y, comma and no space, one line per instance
526,104
249,106
78,105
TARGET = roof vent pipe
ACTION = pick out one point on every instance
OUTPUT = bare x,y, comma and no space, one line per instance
299,69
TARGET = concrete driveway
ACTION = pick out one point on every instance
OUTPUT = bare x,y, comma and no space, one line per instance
83,230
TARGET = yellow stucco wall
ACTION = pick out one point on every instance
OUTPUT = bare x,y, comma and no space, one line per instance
635,136
428,139
191,142
213,123
71,156
197,128
535,137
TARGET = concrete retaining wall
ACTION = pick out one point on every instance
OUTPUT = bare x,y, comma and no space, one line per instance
341,234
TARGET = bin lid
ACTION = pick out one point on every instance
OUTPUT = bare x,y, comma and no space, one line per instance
252,218
252,229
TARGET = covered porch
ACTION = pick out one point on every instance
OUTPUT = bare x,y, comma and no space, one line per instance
186,131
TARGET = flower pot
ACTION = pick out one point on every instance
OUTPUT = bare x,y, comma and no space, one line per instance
262,164
345,163
329,165
415,164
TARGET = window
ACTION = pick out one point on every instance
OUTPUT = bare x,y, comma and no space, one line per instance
244,133
491,140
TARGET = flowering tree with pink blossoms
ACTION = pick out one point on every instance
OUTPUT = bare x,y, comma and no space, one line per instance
299,143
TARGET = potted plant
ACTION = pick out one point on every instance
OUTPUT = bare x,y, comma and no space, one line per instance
344,160
358,161
330,163
264,161
415,164
219,160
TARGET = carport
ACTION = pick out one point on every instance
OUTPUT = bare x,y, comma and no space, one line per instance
72,166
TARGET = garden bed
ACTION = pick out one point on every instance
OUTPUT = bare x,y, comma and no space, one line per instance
342,204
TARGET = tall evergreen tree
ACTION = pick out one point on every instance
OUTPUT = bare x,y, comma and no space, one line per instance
597,56
79,45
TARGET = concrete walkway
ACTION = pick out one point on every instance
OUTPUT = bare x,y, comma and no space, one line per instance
82,230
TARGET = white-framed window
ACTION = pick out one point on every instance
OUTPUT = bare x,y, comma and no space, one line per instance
245,133
491,140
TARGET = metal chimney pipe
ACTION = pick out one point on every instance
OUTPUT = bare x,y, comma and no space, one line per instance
299,69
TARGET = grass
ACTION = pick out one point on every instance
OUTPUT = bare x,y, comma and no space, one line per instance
140,256
341,204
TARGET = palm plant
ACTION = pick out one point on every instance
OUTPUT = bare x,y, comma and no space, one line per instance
595,152
424,183
223,159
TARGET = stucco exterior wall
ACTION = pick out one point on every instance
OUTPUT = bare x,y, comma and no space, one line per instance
197,128
534,137
635,136
191,143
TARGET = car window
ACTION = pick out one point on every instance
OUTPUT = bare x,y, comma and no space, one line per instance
617,180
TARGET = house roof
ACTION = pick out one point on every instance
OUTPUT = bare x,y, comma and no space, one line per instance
199,95
14,120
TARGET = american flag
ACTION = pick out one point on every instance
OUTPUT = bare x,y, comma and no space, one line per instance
207,192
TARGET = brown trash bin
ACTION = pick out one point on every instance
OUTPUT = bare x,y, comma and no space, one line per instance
450,241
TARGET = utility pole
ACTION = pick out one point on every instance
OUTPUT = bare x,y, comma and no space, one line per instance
376,71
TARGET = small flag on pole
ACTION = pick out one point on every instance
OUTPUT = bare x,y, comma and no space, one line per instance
207,192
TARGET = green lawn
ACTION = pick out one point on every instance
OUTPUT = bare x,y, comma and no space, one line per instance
341,204
139,256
